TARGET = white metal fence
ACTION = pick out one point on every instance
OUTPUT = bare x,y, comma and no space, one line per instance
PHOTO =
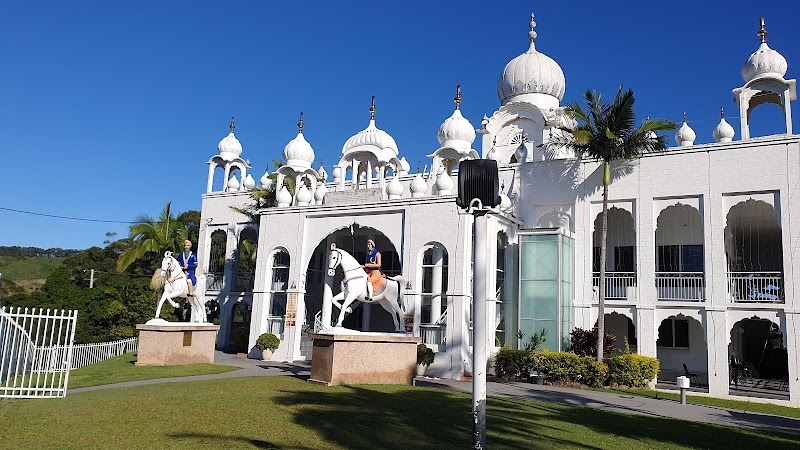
619,285
87,354
680,286
36,352
756,287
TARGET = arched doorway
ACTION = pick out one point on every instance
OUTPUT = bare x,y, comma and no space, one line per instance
758,359
682,351
353,240
620,254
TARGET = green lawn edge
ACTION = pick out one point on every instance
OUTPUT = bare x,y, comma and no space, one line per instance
121,369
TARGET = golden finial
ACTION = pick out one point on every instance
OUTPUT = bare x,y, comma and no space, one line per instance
762,33
458,97
233,125
300,125
372,109
721,112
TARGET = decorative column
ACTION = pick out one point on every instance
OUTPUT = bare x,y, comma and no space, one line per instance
717,336
436,284
327,295
369,174
355,173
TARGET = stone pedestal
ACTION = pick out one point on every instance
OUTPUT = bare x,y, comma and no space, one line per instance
175,344
365,358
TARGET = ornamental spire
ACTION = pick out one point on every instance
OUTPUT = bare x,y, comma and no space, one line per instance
372,109
721,112
684,117
300,125
233,125
458,97
532,35
762,33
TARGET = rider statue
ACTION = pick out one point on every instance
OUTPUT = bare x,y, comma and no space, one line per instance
188,260
372,265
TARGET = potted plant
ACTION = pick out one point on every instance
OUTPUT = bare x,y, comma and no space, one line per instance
425,358
267,343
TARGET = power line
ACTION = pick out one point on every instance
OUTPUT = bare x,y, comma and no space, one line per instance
82,219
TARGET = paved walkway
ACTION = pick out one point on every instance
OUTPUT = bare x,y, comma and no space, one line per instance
573,397
625,404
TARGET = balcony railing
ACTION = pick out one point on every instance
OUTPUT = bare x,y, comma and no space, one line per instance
756,287
275,325
433,334
680,286
245,281
215,281
619,285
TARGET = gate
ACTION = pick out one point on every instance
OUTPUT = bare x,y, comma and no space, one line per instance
36,352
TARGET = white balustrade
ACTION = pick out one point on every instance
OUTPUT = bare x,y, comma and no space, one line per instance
619,285
680,286
275,325
433,334
214,281
756,287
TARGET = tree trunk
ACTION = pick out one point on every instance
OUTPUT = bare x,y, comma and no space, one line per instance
601,306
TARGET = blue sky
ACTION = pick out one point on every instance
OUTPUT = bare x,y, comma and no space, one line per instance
111,109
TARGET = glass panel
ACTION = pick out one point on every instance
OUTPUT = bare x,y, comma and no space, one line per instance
278,304
692,258
668,258
624,259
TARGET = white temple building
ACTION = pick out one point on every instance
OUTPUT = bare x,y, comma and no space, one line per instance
702,240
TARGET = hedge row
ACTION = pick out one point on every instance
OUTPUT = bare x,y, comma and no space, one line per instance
627,369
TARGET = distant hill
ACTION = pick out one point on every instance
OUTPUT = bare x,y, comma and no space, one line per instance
37,252
26,274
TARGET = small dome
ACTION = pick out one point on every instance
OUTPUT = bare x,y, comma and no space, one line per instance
724,132
532,73
765,62
265,181
418,186
522,153
375,140
444,184
298,152
249,182
283,198
685,135
303,195
233,184
319,193
323,174
229,147
337,173
405,167
394,189
456,131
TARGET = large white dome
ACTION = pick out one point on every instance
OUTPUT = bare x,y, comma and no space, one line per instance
456,131
229,147
298,152
533,77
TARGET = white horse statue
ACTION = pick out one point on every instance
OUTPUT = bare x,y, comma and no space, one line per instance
354,287
179,287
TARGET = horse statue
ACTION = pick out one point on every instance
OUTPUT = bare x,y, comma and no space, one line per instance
354,287
179,287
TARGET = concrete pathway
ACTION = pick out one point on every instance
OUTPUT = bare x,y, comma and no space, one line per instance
625,404
572,397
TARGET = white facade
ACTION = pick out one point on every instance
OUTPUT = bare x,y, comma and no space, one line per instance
702,239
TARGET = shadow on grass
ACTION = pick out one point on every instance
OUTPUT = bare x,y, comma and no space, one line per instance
290,370
393,417
221,440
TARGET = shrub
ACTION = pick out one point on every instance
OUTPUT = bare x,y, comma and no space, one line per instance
569,367
632,370
512,364
425,355
268,341
536,340
584,342
239,336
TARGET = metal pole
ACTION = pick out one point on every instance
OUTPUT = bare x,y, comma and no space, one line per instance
91,279
683,396
479,332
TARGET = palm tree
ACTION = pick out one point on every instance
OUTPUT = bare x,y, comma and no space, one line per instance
151,238
264,197
607,131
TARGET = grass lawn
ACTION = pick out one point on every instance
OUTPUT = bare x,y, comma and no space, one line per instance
121,369
742,405
287,412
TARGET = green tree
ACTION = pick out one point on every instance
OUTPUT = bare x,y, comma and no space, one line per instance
149,238
607,131
191,219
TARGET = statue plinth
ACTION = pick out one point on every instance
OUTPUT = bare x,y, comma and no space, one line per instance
176,343
363,358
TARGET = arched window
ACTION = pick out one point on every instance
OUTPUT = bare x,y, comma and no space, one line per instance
279,283
246,260
216,260
434,284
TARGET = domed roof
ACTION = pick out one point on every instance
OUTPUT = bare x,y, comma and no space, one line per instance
531,73
371,139
456,131
229,147
765,62
685,135
723,132
298,152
